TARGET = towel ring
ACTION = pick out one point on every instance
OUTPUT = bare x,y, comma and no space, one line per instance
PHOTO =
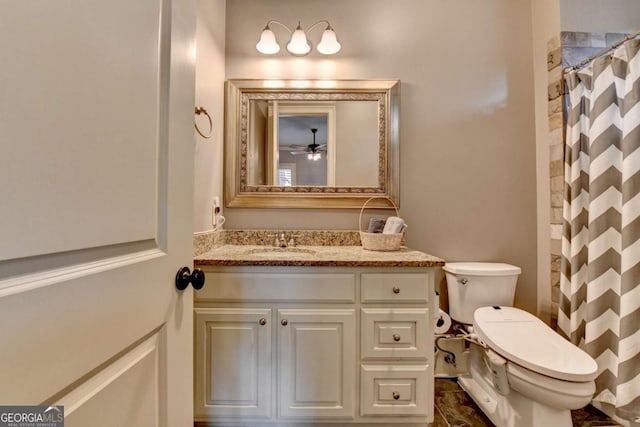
202,110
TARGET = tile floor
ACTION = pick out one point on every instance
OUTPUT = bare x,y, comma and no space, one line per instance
454,408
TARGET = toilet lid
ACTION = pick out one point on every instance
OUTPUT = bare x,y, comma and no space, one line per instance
527,341
482,268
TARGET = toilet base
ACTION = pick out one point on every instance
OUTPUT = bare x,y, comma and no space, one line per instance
512,409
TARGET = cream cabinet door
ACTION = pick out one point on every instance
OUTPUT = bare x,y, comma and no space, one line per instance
96,200
233,362
317,365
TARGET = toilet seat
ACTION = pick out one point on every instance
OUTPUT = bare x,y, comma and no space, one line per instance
525,340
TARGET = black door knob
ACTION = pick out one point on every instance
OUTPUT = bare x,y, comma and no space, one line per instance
185,276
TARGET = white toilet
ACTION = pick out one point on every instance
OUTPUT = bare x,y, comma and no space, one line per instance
522,374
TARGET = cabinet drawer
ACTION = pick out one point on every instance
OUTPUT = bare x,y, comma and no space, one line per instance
395,333
399,288
247,287
394,390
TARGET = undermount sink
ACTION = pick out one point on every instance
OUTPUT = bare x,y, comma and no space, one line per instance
280,252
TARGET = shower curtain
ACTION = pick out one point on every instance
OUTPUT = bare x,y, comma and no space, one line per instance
600,280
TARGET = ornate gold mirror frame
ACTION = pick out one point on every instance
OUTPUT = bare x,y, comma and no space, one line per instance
239,193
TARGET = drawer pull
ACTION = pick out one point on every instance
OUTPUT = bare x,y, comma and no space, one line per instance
396,290
396,337
284,322
262,321
396,395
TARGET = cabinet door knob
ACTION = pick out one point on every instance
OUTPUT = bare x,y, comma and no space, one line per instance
262,321
396,395
396,337
396,290
284,322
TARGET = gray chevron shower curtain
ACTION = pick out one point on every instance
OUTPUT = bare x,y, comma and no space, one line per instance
600,281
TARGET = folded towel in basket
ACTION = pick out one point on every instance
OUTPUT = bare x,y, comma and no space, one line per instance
376,225
394,225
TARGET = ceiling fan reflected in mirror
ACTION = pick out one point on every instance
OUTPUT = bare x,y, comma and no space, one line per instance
313,151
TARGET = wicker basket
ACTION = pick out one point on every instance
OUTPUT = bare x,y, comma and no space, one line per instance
379,241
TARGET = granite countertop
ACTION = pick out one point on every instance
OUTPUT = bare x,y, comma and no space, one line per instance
316,256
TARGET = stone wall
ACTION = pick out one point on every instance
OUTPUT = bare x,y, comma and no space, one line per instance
556,141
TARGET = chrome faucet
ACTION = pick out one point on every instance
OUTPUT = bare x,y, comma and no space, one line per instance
282,240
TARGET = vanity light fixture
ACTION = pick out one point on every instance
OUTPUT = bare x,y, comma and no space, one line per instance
298,44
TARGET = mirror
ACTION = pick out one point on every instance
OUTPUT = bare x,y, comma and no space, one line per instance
295,143
311,144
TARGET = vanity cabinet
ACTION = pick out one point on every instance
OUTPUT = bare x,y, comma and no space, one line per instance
303,345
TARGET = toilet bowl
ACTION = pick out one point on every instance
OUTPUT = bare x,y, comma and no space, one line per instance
522,373
546,376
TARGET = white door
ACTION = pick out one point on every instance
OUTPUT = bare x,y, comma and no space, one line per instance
317,367
96,140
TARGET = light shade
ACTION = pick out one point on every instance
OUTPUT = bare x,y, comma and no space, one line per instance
298,45
329,44
268,44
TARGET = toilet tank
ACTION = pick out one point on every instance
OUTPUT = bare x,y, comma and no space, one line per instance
472,285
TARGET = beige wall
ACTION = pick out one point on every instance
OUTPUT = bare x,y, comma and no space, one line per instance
600,16
468,149
210,34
